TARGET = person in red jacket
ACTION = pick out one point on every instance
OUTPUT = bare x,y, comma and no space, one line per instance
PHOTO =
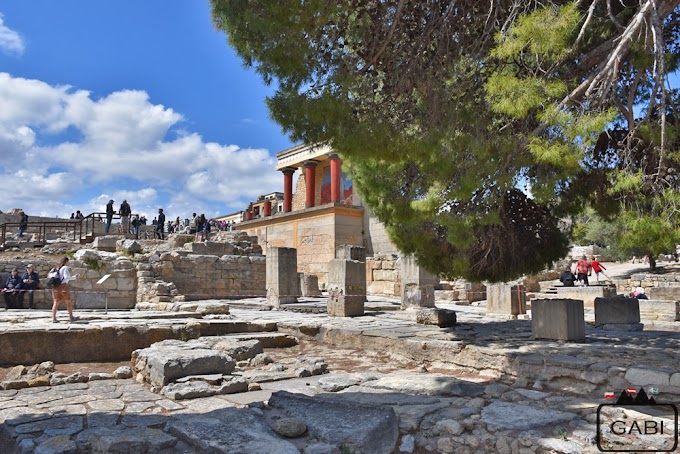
598,268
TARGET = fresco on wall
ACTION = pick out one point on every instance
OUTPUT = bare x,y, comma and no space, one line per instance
346,188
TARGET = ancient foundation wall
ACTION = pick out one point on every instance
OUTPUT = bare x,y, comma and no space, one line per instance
383,276
180,276
664,286
120,288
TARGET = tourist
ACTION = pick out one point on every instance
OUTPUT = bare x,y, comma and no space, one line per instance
62,293
206,230
598,268
79,215
567,278
109,215
194,225
135,225
639,293
23,223
582,270
160,224
11,289
125,212
29,282
73,216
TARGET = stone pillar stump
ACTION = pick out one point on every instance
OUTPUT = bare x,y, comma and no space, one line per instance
417,285
558,319
346,288
281,278
506,300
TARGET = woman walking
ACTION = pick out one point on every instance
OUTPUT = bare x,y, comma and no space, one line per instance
61,293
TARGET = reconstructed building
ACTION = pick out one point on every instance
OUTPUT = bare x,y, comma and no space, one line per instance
320,210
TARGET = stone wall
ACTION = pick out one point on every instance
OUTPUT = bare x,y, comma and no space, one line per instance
652,283
120,288
383,276
181,276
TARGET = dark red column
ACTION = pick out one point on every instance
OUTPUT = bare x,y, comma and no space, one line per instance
288,190
336,170
249,216
267,209
310,173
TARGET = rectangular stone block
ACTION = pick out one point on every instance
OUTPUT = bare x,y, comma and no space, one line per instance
309,285
417,284
664,293
558,319
615,310
281,276
346,287
350,252
433,316
659,310
506,299
586,294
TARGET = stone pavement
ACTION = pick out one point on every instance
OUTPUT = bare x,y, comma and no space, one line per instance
491,387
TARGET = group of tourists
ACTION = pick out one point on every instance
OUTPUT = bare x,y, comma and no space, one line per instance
17,287
581,270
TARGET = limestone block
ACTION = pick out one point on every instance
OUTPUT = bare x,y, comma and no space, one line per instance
105,243
433,316
383,275
615,310
210,248
642,377
389,265
659,310
506,299
586,294
281,280
350,252
178,240
309,285
347,288
558,319
417,284
128,246
664,293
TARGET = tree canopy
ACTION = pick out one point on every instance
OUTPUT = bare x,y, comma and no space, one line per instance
471,127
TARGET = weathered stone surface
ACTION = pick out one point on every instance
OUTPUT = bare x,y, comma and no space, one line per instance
289,427
339,421
617,310
229,430
449,427
128,246
189,390
346,288
430,385
238,349
417,284
512,416
586,294
282,282
16,372
506,299
642,377
309,285
261,359
166,361
664,293
443,318
61,444
338,382
124,440
559,319
63,422
123,372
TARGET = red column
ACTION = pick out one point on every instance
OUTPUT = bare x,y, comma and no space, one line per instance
310,173
288,190
267,209
336,169
249,215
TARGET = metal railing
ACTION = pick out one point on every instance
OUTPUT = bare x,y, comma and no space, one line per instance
38,233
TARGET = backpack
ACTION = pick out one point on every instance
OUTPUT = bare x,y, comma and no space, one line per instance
53,279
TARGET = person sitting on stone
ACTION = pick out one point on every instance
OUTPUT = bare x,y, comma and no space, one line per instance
11,290
567,278
639,293
29,282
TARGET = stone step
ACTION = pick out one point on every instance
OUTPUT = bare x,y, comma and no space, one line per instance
268,340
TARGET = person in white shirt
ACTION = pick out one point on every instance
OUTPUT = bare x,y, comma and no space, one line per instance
62,293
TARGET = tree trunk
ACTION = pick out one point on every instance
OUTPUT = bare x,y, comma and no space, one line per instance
652,262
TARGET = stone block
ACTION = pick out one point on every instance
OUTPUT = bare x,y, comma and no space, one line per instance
475,291
558,319
281,271
309,285
506,299
659,310
586,294
642,377
443,318
350,252
347,288
664,293
178,240
210,248
128,246
616,310
105,243
417,284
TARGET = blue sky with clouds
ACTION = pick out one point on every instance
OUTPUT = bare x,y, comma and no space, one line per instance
142,100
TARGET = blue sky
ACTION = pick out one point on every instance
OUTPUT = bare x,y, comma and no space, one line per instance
142,100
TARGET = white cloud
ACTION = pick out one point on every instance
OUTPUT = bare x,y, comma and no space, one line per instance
11,42
126,148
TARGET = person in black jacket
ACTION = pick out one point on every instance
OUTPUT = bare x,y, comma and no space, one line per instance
29,282
109,214
160,225
23,224
567,278
11,290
